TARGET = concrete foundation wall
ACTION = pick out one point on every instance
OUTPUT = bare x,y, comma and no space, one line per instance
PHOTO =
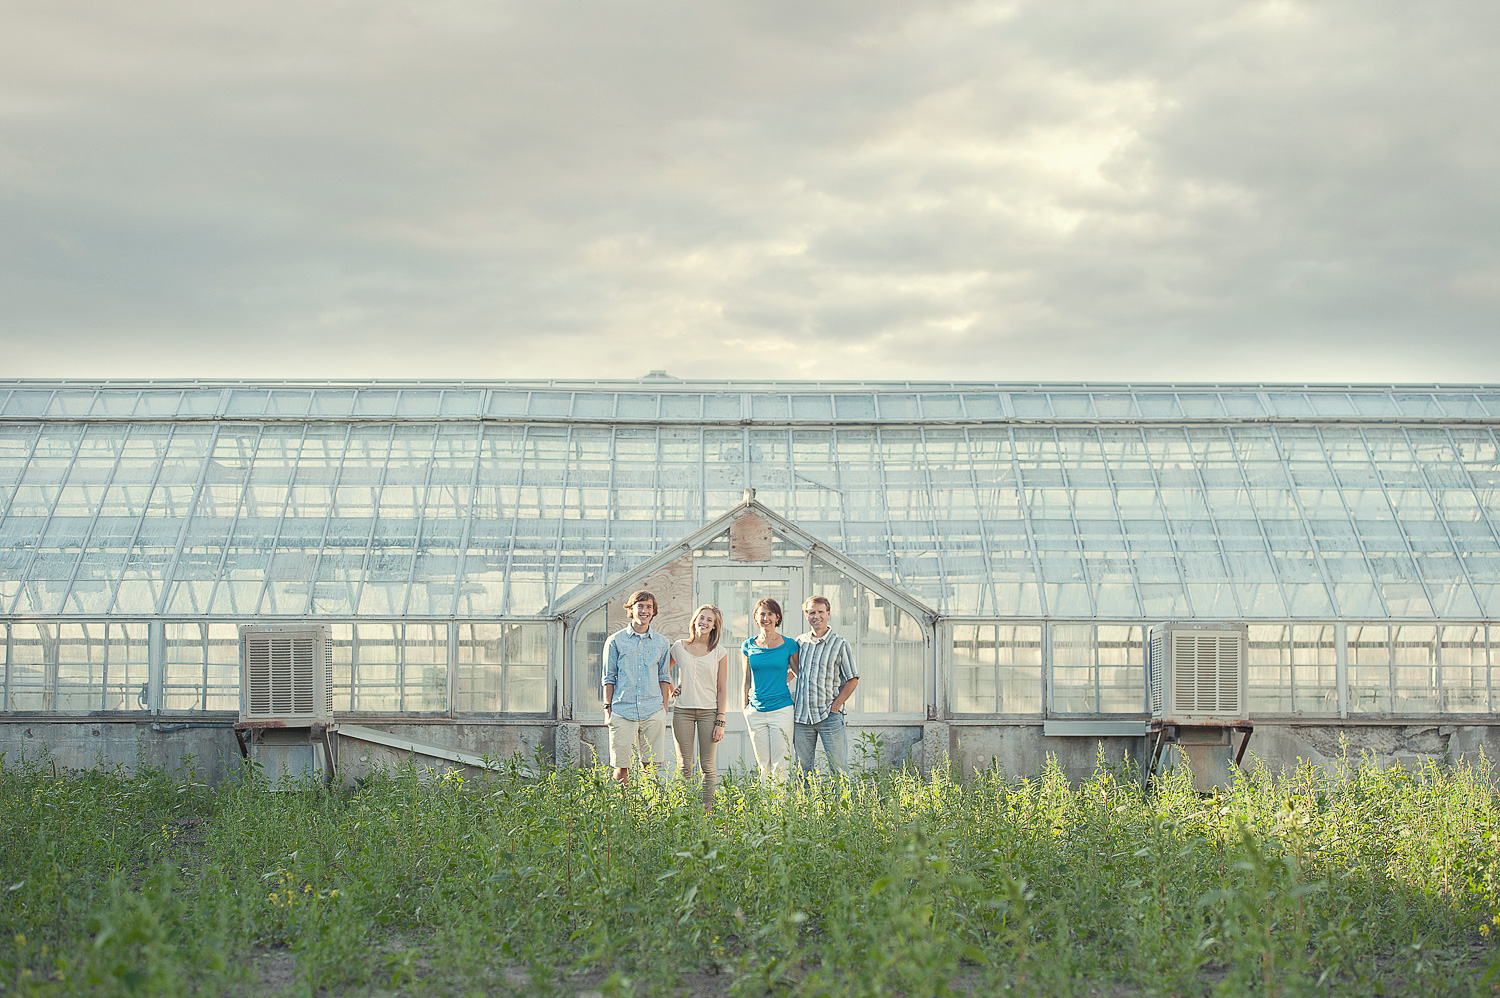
209,749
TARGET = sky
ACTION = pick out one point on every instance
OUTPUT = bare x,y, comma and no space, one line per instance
1189,190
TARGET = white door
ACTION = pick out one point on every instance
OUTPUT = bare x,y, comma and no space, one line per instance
735,591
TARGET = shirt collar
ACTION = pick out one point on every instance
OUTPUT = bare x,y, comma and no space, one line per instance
817,640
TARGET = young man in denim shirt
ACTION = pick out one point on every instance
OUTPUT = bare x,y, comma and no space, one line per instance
637,687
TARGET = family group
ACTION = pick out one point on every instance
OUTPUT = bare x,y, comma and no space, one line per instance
794,691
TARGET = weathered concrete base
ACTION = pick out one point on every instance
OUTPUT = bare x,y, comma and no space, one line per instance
1022,749
207,750
500,742
203,750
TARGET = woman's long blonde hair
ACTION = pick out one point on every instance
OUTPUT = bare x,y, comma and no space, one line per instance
713,635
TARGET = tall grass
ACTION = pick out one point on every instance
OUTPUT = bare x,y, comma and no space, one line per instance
1363,881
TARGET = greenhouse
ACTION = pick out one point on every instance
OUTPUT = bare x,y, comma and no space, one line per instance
996,552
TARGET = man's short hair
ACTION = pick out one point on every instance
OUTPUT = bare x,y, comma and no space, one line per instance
814,601
642,594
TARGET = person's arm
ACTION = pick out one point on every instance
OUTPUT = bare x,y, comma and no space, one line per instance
664,677
845,692
723,694
791,669
749,676
851,677
611,673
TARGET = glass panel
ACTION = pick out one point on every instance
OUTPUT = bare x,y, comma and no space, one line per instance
588,664
1414,656
1270,669
32,666
1463,663
896,406
1369,656
501,668
399,668
1122,669
202,667
1315,670
1073,673
972,684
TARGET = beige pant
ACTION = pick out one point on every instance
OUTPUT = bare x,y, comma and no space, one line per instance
691,724
644,741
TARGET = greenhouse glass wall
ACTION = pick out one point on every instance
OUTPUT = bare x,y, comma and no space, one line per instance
996,552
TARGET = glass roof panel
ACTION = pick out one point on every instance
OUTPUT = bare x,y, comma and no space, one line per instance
116,404
28,403
1200,404
894,405
507,404
987,406
636,406
681,406
245,403
1418,405
1242,404
1328,404
942,407
551,403
854,406
71,402
419,403
1461,405
204,403
722,405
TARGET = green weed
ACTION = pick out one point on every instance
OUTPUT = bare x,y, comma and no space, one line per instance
529,879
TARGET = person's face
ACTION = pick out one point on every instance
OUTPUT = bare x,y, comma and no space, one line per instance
817,616
704,623
764,618
642,612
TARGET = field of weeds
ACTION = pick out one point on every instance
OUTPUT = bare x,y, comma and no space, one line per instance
1361,882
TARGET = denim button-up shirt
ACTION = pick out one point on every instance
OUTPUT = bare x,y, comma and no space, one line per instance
636,665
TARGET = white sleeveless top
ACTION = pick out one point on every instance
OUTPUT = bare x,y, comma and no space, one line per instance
699,676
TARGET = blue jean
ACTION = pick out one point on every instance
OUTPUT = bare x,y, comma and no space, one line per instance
835,743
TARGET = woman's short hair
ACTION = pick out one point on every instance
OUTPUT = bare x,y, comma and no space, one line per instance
713,635
771,605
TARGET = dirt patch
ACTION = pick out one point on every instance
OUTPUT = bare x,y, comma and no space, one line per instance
274,969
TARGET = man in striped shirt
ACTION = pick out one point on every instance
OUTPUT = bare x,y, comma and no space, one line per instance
826,678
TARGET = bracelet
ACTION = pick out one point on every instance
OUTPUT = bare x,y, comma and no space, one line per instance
718,724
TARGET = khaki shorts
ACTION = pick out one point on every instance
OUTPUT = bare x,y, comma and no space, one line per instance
637,742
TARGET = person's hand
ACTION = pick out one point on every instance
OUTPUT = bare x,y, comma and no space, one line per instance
718,733
791,676
677,690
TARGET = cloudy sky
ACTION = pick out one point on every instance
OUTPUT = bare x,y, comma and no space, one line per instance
1056,190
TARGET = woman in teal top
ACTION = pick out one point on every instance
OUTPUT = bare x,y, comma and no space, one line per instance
770,666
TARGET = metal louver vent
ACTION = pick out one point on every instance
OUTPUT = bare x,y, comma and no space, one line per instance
1207,673
288,674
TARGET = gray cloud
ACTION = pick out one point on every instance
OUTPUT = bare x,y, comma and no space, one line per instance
1171,190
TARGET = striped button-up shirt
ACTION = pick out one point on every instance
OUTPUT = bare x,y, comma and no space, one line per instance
824,665
635,664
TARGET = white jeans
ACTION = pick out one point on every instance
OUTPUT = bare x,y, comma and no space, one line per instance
771,737
646,740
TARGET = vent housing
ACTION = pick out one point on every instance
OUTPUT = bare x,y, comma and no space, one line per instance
1196,672
286,674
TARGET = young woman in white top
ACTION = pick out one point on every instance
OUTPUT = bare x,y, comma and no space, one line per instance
702,691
